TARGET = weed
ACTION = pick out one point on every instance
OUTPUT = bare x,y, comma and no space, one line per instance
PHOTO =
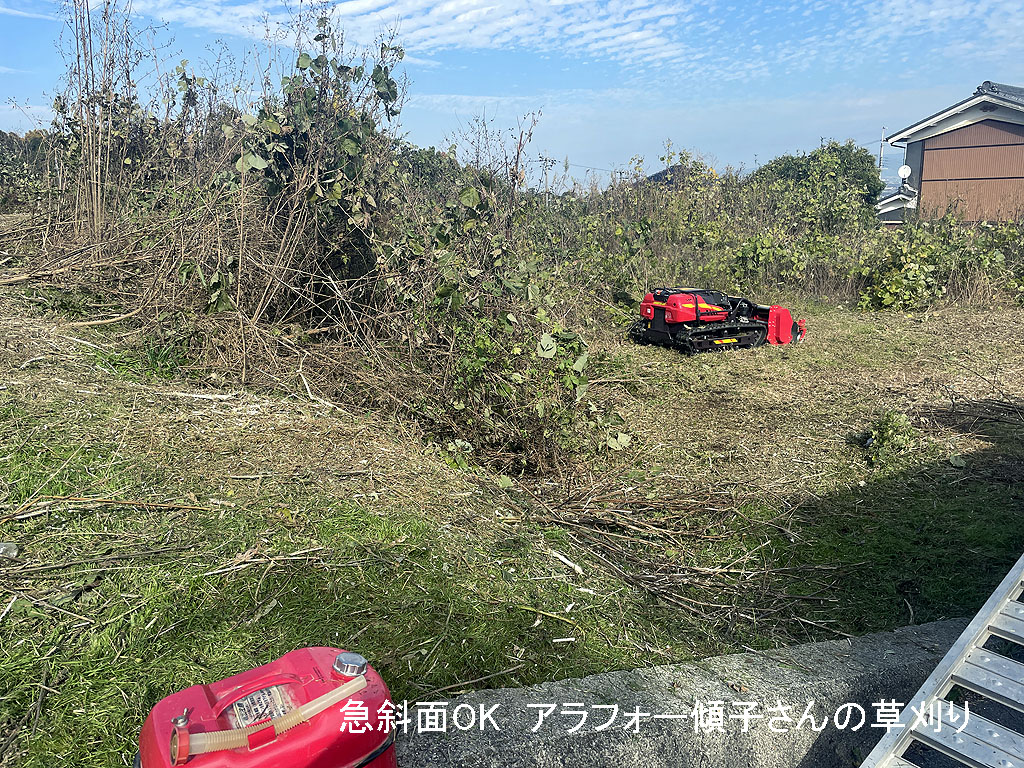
891,437
74,303
154,358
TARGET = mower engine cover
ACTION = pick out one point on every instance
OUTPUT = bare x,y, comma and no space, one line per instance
701,319
312,708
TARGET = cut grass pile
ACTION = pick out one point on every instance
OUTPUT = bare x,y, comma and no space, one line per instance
172,535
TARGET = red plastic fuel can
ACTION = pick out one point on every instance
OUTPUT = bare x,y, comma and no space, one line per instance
312,708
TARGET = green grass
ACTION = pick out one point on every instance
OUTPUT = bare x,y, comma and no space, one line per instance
913,547
429,604
152,359
69,303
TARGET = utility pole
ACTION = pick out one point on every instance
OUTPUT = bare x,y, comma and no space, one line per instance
549,163
545,161
881,148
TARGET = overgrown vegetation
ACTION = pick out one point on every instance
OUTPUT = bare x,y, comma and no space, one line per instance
298,244
892,436
22,169
852,163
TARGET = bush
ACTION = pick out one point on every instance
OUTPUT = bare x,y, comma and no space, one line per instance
917,265
892,436
22,170
854,164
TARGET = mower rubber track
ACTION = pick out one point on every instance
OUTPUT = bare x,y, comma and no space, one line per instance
705,338
717,336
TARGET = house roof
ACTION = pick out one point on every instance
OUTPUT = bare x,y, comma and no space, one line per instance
1011,92
904,192
993,93
902,198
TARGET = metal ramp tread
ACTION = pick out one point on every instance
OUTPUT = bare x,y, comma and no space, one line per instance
970,746
930,719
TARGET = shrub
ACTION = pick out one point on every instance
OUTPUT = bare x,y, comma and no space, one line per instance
854,164
891,436
917,265
22,170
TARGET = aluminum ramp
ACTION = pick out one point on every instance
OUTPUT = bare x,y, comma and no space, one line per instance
939,724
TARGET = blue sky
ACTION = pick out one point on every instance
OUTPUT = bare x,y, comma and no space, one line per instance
737,82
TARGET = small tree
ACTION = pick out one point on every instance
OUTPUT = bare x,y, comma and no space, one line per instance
855,166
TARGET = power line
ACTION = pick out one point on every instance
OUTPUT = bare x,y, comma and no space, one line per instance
575,165
591,168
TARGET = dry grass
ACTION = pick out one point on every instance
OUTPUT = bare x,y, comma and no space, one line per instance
174,529
224,433
788,418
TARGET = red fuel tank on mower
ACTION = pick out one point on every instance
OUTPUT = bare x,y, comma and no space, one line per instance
312,708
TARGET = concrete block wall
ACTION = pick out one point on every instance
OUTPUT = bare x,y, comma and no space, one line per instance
862,671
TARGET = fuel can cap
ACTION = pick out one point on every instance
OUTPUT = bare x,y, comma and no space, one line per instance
349,664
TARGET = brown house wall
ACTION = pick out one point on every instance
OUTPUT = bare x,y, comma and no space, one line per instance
977,170
983,200
985,133
974,163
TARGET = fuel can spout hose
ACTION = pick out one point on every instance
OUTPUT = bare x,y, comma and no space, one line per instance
184,744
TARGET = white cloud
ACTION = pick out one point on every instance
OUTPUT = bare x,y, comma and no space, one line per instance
701,42
420,62
469,105
5,11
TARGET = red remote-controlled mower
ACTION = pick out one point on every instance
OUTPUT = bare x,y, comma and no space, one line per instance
700,320
312,708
